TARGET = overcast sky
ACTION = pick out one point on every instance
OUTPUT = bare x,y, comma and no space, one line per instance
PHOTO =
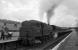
66,14
20,10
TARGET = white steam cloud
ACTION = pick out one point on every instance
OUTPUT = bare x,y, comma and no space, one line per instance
48,6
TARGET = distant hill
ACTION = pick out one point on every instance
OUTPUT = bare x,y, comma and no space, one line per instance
9,21
12,25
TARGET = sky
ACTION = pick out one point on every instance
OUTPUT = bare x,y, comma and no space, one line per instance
63,13
63,17
19,10
72,5
66,14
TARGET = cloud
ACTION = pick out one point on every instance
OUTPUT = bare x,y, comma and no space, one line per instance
19,11
63,18
72,5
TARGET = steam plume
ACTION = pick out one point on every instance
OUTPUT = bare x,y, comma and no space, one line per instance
48,6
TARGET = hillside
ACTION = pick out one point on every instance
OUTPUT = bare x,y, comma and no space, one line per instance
12,25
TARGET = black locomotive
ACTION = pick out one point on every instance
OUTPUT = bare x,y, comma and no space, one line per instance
36,32
33,31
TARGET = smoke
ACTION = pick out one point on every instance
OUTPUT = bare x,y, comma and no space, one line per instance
48,6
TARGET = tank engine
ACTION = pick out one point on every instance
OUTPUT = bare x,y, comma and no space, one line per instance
37,32
34,31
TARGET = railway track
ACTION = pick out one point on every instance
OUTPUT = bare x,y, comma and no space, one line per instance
58,40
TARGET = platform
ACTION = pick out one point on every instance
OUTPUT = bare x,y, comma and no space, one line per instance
14,38
70,43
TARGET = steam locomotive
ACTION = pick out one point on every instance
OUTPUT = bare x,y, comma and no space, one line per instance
36,32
